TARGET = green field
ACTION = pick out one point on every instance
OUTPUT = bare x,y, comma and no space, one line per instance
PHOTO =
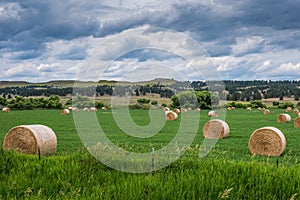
228,171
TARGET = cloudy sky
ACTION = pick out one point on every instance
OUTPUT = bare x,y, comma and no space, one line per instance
135,40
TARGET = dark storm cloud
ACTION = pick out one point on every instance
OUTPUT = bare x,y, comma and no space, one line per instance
235,30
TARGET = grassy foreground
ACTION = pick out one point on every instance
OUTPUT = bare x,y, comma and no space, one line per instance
81,176
228,172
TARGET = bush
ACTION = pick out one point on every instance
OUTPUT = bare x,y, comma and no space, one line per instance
257,103
99,104
275,103
139,106
154,102
284,105
143,101
237,104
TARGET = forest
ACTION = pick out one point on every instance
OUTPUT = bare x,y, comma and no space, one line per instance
234,90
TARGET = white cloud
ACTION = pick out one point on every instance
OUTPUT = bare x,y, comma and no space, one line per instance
247,45
10,11
26,70
53,39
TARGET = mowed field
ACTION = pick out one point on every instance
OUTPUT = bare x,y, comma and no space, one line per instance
228,171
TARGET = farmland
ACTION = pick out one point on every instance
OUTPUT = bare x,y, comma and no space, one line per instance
228,171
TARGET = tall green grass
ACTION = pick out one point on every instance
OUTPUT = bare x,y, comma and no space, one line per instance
80,176
227,172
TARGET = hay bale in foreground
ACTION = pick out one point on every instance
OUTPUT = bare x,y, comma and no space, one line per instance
297,122
170,115
216,128
212,113
31,139
267,141
284,118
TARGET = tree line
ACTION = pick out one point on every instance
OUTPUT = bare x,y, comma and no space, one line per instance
52,102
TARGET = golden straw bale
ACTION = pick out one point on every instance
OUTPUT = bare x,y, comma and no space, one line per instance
166,109
288,109
170,115
216,128
183,110
65,112
176,110
266,112
249,108
31,139
212,113
268,141
297,122
86,109
296,111
284,118
94,109
6,109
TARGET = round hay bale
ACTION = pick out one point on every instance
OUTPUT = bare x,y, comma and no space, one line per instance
6,109
267,141
86,109
266,112
249,108
183,110
197,109
65,112
94,109
284,118
212,113
189,109
288,109
103,108
75,109
170,115
216,128
166,109
297,122
31,139
229,108
176,110
296,111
